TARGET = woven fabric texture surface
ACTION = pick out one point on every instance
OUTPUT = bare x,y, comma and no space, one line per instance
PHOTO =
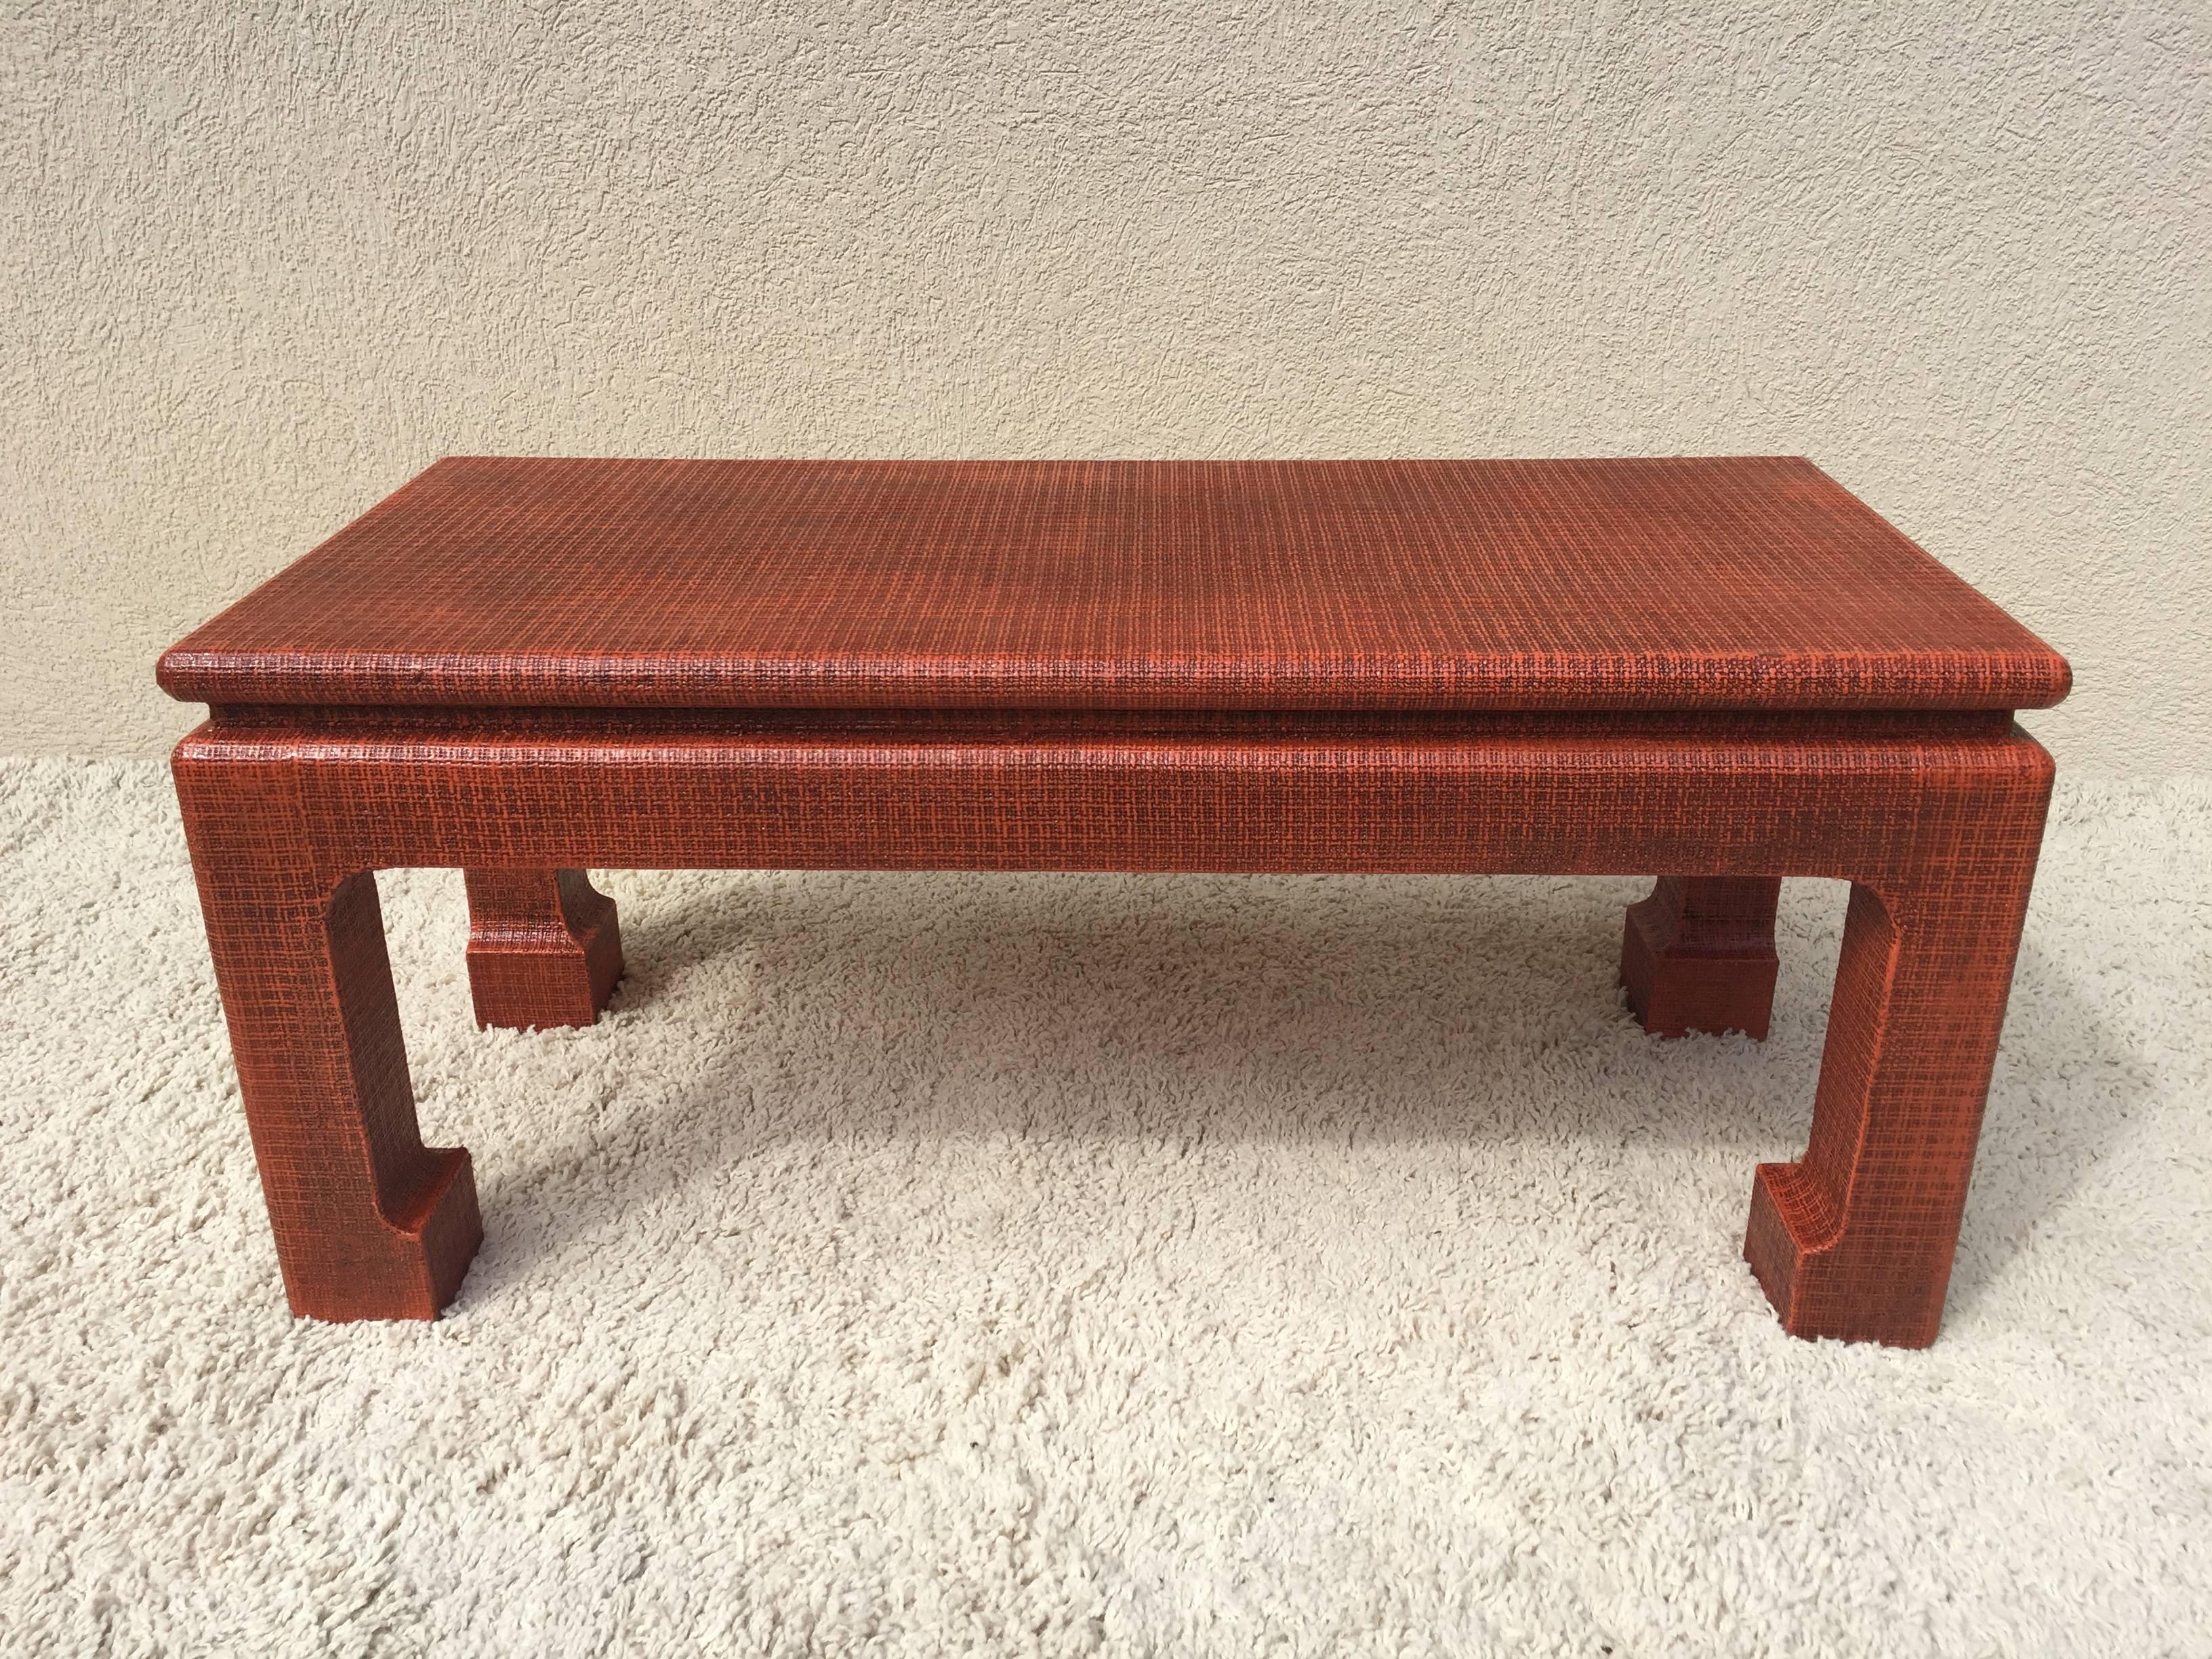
1749,582
1693,668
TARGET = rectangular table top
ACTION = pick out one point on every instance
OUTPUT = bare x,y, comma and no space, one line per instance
1735,583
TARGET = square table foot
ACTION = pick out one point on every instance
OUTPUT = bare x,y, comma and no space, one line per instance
406,1267
544,948
1699,954
1822,1284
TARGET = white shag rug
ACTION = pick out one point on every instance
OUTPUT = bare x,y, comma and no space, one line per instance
1049,1264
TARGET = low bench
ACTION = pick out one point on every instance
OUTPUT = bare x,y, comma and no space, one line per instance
1719,672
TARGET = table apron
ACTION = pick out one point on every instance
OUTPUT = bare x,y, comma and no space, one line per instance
1881,811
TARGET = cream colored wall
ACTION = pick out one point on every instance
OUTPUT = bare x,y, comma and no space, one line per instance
259,269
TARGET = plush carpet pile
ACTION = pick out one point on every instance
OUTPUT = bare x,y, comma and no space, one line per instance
1048,1264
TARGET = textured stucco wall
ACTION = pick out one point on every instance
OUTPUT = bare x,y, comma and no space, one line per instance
262,262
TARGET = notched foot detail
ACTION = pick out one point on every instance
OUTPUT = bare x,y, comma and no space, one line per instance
544,948
411,1263
1824,1282
1699,954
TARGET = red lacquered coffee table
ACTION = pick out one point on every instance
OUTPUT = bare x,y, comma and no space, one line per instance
1724,672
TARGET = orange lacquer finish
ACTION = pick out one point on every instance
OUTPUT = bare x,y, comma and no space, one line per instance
1724,672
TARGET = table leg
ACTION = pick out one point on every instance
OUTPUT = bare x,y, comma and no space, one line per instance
1855,1240
544,948
370,1224
1699,954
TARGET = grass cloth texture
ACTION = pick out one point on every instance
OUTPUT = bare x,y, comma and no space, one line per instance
1068,1264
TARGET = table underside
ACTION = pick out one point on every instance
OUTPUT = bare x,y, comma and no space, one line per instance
1935,819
